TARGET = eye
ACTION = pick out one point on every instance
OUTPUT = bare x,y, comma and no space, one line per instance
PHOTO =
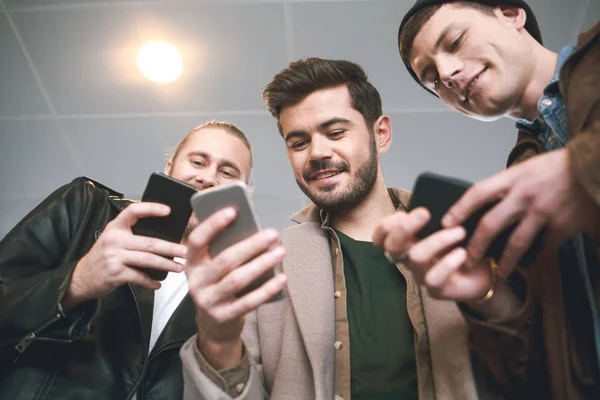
300,144
335,134
456,43
198,163
228,173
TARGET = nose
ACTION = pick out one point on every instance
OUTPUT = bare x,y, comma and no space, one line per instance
449,70
206,178
320,148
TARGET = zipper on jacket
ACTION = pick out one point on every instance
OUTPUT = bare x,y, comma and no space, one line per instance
25,342
155,355
139,312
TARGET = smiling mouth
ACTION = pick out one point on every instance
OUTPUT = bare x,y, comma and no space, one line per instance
470,87
324,175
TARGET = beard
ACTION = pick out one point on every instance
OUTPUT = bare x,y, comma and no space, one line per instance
331,199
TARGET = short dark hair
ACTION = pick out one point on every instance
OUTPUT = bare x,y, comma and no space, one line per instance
226,126
413,26
303,77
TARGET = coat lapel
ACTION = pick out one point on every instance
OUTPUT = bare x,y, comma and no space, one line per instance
448,349
310,288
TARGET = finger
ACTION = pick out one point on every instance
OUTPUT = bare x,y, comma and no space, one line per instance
501,216
477,196
440,273
241,277
436,244
384,227
253,299
205,232
240,253
154,246
140,278
132,213
142,259
519,242
402,228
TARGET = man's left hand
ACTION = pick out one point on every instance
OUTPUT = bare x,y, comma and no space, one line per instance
539,192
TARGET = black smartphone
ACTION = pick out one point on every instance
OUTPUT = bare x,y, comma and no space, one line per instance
437,193
164,189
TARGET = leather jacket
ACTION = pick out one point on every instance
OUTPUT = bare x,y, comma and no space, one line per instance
99,350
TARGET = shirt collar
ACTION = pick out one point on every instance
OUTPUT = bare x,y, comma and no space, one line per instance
532,127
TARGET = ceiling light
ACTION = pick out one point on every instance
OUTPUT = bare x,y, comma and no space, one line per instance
159,61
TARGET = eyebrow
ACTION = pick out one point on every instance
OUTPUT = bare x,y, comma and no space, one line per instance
322,126
437,45
222,162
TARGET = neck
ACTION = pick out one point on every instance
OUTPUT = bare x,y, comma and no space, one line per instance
544,67
360,222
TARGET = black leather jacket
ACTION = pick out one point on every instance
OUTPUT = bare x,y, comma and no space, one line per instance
98,350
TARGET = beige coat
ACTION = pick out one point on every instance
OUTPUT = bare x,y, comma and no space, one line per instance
291,341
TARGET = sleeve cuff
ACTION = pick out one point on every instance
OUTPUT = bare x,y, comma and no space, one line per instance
513,326
233,380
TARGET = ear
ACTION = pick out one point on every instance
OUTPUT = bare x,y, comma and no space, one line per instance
513,16
383,134
168,167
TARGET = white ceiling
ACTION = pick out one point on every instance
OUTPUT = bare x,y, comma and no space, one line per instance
73,103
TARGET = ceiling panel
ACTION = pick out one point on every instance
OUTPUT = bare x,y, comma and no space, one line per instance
556,19
19,208
122,152
365,33
40,4
87,57
34,160
592,14
19,94
446,143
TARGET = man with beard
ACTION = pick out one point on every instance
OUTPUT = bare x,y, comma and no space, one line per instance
78,318
353,325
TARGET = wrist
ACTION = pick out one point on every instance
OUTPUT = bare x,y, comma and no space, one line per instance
504,303
75,294
220,355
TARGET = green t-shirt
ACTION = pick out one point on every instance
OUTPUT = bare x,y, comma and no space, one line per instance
382,353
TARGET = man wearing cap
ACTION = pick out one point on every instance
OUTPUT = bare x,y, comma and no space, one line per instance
485,59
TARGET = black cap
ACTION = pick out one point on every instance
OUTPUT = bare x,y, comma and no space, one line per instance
531,24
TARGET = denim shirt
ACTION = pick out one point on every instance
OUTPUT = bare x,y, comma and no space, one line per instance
551,130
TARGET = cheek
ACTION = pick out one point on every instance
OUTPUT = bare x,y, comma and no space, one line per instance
297,163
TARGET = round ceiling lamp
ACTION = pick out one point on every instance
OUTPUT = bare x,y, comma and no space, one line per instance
159,61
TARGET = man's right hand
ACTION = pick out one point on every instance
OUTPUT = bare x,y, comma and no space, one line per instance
215,282
117,255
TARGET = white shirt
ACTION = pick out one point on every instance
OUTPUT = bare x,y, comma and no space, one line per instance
166,300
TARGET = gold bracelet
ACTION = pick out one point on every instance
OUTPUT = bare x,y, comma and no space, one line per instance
490,293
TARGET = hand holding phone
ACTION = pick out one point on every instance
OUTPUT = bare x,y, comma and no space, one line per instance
437,193
236,195
166,190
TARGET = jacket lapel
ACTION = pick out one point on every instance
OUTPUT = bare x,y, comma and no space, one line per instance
310,288
448,349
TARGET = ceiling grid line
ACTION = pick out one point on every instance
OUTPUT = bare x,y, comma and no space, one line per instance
133,4
38,80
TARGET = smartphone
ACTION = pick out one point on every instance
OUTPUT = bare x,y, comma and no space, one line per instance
437,193
236,195
164,189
